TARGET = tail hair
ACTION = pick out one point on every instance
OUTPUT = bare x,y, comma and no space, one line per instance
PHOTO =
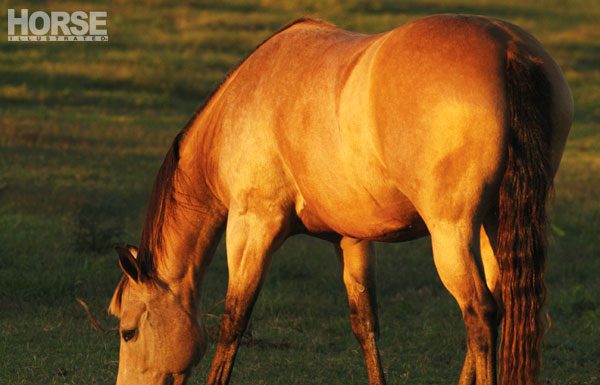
522,236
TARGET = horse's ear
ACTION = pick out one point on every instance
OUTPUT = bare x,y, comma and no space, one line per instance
133,250
128,261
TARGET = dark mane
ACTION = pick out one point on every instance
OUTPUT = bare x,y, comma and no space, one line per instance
162,190
161,196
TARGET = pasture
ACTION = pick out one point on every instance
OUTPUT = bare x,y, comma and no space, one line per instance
84,128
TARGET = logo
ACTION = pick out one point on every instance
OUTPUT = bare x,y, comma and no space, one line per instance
57,26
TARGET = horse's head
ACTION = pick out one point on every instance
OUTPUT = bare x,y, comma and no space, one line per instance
161,340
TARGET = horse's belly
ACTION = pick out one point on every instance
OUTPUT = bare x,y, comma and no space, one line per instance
391,218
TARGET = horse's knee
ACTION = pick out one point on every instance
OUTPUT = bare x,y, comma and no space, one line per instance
363,312
364,324
233,325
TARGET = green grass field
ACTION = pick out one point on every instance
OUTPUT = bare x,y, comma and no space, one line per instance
84,128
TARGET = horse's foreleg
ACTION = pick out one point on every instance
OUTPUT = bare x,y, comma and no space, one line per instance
358,261
251,240
456,256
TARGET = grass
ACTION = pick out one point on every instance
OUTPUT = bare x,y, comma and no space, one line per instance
84,127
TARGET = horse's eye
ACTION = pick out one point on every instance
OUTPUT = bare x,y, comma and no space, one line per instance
128,334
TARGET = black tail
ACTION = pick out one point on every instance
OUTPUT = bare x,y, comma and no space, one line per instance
522,220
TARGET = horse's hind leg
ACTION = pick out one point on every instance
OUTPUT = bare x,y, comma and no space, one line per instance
457,259
251,240
358,261
488,235
491,271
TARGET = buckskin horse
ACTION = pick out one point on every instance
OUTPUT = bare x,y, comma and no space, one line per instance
452,126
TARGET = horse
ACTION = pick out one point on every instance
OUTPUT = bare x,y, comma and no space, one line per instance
451,126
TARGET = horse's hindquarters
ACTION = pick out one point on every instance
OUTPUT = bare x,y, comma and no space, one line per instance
440,114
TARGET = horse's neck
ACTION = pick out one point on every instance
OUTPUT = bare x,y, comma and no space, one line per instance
192,240
194,221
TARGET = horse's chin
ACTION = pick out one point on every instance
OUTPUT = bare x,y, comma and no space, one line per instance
179,379
154,379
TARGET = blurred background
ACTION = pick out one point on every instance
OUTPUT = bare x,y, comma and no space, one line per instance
84,128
